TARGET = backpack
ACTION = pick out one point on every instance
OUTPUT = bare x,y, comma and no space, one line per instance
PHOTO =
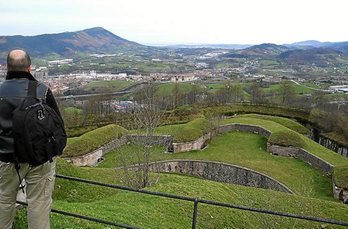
38,130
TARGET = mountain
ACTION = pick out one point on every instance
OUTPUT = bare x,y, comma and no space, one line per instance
65,44
321,57
309,43
212,46
264,50
339,46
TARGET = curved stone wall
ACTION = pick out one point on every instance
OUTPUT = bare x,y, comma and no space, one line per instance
91,159
244,128
220,172
189,146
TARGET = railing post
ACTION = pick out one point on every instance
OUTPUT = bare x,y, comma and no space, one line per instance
195,213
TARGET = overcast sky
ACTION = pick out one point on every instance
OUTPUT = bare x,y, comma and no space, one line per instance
183,21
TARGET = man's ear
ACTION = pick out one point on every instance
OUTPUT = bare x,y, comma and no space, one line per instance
29,69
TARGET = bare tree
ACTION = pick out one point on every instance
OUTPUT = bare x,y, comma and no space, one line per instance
214,121
146,116
288,93
257,95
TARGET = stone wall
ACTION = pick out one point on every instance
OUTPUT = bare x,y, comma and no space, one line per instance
165,140
245,128
220,172
91,159
189,146
315,161
282,150
340,193
301,154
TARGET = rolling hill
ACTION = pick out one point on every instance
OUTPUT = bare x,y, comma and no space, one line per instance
66,44
322,57
264,50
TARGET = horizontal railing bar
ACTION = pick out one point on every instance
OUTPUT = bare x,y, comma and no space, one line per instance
209,202
86,218
127,188
270,212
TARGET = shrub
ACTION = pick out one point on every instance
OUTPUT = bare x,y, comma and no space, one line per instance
286,138
93,140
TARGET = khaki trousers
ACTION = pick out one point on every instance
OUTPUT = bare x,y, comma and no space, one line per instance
39,184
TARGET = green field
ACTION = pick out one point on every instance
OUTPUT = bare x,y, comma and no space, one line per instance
169,88
298,89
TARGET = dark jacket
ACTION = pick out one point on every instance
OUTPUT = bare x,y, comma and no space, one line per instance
12,92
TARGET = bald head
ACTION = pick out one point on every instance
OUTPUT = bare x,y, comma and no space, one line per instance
18,60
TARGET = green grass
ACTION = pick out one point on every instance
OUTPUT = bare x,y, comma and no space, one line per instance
93,140
169,88
293,125
310,145
156,212
78,131
269,63
286,138
248,150
186,132
298,89
245,156
333,158
72,110
258,109
341,178
312,188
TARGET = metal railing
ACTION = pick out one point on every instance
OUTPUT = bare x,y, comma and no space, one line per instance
195,202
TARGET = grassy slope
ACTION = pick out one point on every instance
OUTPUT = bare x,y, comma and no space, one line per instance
157,212
93,140
293,125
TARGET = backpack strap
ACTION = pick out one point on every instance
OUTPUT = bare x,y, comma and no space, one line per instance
32,89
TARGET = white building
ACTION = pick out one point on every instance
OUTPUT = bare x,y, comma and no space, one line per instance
339,88
60,62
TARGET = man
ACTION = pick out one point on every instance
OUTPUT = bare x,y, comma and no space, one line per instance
39,180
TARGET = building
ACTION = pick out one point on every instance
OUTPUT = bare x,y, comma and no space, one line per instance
39,73
182,78
60,62
339,89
